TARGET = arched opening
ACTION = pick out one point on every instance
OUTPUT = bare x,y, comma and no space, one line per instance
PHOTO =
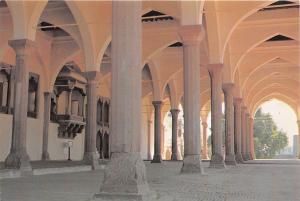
275,125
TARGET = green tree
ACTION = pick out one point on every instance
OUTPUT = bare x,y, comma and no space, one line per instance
268,140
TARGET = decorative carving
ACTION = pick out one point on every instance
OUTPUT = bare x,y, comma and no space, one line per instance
67,106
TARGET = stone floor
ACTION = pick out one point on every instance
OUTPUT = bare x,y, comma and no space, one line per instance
261,180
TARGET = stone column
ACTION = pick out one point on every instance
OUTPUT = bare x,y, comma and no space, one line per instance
298,122
215,72
244,133
191,37
11,90
238,129
204,140
157,132
251,125
18,157
229,124
47,107
91,154
174,113
247,127
125,175
149,140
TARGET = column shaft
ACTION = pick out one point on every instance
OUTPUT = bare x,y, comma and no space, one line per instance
252,153
244,134
125,175
215,72
47,107
91,154
18,157
174,113
229,124
191,37
157,132
238,129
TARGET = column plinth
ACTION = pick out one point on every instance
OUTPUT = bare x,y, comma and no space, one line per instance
229,124
157,132
18,157
191,37
91,155
47,107
238,129
125,176
217,159
174,113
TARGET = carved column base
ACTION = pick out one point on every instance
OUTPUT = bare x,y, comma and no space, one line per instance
124,179
18,161
91,158
230,160
192,164
217,161
174,157
156,158
239,158
45,156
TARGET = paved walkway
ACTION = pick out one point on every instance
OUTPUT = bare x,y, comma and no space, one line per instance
256,181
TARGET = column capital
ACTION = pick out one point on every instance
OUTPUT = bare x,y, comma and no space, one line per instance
214,68
228,87
244,108
47,93
191,34
92,75
156,103
174,111
237,101
21,46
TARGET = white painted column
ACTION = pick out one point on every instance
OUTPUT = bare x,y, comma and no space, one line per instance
125,175
191,37
238,129
18,157
215,72
174,113
91,155
244,133
229,124
157,132
47,108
